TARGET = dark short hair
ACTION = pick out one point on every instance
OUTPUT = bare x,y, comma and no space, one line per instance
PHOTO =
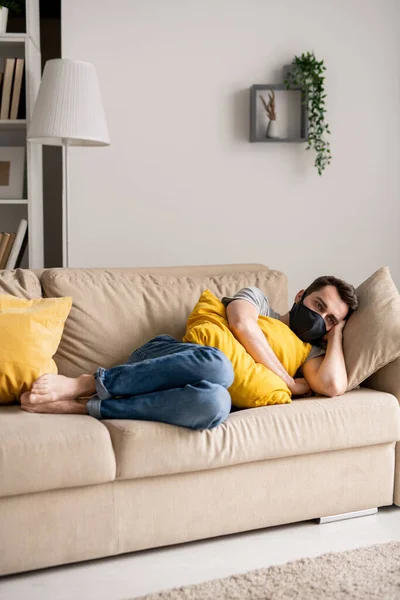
346,291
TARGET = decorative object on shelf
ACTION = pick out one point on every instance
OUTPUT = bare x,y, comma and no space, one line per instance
257,131
308,73
12,163
12,6
270,109
68,112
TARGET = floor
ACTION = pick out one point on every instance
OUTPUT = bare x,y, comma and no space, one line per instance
131,575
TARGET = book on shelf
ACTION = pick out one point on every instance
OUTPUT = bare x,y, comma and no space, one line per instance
12,88
16,92
4,237
10,243
2,65
18,246
9,65
22,250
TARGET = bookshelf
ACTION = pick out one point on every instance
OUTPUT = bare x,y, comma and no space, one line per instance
13,133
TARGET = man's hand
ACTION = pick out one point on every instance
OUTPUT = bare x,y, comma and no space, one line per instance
327,375
300,387
337,330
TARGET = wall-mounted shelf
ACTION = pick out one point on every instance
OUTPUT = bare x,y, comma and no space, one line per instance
296,111
298,140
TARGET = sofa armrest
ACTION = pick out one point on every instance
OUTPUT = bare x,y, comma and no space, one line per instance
386,379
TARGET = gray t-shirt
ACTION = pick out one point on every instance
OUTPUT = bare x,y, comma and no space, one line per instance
258,299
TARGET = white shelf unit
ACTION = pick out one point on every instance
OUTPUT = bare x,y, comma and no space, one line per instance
13,133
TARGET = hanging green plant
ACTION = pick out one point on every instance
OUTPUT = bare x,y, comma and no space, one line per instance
307,73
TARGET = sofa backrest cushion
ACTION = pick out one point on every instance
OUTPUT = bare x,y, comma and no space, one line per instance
115,311
22,283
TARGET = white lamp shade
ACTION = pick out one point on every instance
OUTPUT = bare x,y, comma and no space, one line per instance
68,107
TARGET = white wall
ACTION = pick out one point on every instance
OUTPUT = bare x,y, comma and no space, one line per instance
181,184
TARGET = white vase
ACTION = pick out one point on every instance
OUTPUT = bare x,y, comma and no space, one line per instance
273,130
3,19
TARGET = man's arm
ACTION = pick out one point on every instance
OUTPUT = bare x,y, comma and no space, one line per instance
242,318
327,374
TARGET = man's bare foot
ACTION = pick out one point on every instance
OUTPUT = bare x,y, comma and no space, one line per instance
71,407
54,388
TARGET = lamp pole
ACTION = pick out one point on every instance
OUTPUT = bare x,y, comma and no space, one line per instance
65,202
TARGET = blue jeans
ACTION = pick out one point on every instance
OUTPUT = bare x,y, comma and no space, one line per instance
168,381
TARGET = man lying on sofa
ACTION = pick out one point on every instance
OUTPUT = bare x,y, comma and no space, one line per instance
187,384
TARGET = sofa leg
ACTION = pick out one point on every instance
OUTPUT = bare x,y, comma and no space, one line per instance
349,515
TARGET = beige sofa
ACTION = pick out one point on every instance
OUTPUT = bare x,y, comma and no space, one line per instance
73,488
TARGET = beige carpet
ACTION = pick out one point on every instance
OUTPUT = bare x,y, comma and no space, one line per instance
364,574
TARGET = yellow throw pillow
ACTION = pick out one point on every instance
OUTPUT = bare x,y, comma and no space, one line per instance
30,331
254,385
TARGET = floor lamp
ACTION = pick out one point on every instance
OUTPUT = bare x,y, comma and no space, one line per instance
68,112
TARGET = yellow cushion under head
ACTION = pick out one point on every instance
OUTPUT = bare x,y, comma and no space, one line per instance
30,331
254,385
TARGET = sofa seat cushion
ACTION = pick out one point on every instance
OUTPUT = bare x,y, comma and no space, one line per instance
359,418
40,452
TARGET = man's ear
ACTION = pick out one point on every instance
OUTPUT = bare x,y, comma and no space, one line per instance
299,296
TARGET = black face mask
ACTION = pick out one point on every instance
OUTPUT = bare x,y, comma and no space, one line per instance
307,324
